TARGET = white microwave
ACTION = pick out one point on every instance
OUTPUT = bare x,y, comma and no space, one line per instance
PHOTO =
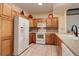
41,24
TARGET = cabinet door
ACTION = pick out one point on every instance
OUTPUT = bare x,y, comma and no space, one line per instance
48,22
6,10
53,39
35,22
58,45
0,8
0,34
34,37
7,27
55,22
31,23
30,38
7,47
48,39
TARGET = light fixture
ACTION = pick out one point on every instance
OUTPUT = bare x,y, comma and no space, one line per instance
39,3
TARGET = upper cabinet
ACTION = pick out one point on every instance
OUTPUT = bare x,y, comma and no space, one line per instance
49,22
33,22
7,29
0,9
54,22
6,10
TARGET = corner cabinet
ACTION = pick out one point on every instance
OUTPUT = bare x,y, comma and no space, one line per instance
58,45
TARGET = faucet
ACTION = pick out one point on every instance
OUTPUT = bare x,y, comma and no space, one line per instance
75,31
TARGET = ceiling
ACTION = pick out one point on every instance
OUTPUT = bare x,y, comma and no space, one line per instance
59,8
34,8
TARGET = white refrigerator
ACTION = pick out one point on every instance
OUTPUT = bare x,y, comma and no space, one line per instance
21,34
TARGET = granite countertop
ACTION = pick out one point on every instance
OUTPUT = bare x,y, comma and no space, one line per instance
73,45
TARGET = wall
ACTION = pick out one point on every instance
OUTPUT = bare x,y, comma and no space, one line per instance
72,20
41,15
17,9
62,22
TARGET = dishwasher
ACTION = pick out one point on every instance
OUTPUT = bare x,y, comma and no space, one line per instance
66,51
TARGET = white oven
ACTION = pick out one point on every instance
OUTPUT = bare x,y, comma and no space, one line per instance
40,36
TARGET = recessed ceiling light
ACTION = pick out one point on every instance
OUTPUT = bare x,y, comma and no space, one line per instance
39,3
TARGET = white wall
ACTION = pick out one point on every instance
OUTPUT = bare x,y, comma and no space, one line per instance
62,22
41,15
17,8
72,20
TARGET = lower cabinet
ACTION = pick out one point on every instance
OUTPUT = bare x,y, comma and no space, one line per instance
48,39
0,34
32,38
6,47
58,45
6,36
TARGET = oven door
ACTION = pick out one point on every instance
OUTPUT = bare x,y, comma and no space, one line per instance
40,38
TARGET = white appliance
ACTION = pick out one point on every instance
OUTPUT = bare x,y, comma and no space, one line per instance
40,36
41,24
21,35
66,51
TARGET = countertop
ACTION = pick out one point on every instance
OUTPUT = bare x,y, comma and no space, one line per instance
42,32
73,45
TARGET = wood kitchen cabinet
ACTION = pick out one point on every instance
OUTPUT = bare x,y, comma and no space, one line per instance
48,39
7,36
54,41
58,45
0,34
32,38
33,22
7,27
55,22
7,47
6,10
14,13
0,9
48,22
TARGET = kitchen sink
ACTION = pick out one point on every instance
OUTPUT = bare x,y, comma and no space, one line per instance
69,36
